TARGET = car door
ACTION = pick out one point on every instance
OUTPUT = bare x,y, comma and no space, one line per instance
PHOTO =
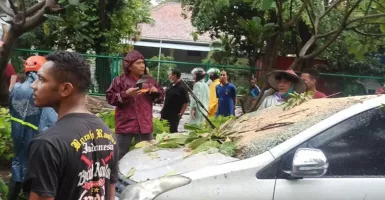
355,149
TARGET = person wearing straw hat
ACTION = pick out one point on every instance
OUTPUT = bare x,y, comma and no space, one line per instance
201,91
213,99
284,83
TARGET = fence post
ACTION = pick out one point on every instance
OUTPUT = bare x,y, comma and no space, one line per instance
207,68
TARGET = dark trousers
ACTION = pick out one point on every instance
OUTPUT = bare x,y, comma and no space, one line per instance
125,141
14,190
173,122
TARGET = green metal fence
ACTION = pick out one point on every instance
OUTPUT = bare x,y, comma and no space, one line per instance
105,67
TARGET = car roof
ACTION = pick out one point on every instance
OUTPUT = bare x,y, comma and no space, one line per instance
359,107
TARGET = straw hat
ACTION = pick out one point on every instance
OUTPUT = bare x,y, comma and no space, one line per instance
299,87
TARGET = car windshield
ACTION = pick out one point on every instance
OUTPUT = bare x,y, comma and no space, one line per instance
262,130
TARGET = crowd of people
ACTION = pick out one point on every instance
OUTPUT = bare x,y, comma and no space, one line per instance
62,151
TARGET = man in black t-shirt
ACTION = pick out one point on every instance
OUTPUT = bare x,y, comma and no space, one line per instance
176,101
77,157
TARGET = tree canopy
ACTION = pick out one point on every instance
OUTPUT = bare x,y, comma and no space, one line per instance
90,26
265,29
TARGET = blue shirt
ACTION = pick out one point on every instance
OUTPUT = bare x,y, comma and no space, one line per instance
27,122
255,91
226,95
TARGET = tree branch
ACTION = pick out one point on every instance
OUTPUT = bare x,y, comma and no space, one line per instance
368,34
335,31
378,3
22,7
335,3
367,9
280,12
32,10
35,20
366,17
308,13
5,9
337,34
295,18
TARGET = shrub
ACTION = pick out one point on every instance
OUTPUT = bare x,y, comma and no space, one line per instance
6,152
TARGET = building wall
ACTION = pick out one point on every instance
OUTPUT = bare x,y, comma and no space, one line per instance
178,55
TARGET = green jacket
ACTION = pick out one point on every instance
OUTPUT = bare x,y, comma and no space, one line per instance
201,90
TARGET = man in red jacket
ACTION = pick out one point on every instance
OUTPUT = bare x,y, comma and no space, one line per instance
133,112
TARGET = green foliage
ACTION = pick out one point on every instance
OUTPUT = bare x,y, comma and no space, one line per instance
109,118
81,28
242,90
297,99
341,61
253,23
6,152
160,126
200,138
164,68
3,190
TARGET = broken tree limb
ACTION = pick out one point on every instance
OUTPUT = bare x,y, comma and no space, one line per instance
32,10
34,21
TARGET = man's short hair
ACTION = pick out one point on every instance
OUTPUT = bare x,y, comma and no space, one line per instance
71,67
176,72
314,74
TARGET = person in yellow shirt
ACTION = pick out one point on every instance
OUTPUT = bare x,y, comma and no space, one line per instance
213,99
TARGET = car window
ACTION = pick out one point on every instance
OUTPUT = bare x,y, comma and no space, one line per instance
354,147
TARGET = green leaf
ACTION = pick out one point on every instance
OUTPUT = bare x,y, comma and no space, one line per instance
382,28
149,149
153,155
160,137
196,143
131,173
266,4
168,144
228,149
53,17
206,146
178,138
192,127
142,144
171,173
73,2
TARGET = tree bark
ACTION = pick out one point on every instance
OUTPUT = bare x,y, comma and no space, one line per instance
305,35
23,21
269,61
5,54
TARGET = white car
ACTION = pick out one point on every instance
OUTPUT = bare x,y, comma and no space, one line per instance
341,157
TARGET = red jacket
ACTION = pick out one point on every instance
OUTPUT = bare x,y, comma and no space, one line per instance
133,115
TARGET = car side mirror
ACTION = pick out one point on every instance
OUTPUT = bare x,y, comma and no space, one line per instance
309,163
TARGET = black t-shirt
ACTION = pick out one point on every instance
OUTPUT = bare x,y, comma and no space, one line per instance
176,96
74,159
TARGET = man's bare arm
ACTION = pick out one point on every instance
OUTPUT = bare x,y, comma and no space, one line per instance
34,196
184,107
111,192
